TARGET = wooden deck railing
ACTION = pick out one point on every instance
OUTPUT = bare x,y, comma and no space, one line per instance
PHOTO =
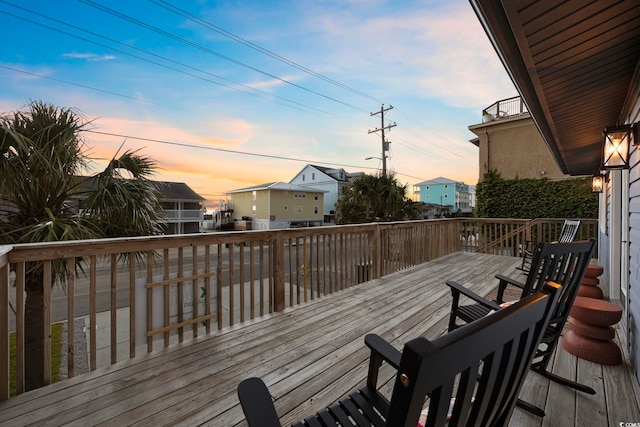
169,289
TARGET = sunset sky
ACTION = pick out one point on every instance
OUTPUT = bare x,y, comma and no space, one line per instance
229,94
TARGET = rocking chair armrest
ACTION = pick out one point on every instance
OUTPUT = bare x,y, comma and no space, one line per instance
457,289
256,403
502,285
383,349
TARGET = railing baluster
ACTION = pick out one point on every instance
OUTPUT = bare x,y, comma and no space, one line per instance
165,295
4,324
93,323
207,287
47,282
71,282
262,279
252,297
132,304
149,300
242,282
278,276
291,262
180,296
114,308
19,283
219,285
231,284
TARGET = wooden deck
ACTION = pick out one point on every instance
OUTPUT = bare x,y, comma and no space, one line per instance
309,356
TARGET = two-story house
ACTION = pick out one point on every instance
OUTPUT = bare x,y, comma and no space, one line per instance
277,205
329,180
182,207
183,210
445,192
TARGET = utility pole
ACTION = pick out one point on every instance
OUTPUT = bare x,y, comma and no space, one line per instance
381,129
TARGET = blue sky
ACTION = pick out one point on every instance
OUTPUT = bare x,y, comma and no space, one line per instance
229,94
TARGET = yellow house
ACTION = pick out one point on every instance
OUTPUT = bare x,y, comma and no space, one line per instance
277,205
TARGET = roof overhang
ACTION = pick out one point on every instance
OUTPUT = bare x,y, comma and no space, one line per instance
574,63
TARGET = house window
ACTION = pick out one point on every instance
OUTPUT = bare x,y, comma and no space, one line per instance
315,197
254,210
315,210
297,209
313,176
285,207
253,195
446,196
303,177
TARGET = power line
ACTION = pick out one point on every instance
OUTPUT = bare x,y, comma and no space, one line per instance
225,150
151,54
187,15
79,85
210,51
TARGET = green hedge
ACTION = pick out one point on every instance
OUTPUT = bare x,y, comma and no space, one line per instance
535,198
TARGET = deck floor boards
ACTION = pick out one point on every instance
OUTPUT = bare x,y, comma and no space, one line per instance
309,356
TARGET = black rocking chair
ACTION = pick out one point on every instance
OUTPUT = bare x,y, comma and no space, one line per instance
567,234
482,366
563,263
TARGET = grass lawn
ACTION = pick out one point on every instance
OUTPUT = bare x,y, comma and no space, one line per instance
56,354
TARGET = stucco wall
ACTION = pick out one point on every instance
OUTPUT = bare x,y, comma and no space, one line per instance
502,143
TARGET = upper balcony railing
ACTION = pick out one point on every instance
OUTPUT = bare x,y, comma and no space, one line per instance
146,293
505,108
184,214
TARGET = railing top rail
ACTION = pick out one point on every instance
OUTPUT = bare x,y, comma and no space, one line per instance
96,247
79,248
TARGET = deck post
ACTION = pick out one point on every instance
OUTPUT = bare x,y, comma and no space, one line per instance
278,274
4,323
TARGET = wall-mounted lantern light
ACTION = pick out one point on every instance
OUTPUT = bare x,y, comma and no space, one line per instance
597,183
617,140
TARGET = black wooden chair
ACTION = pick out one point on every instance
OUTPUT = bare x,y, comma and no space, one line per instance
563,263
567,234
482,366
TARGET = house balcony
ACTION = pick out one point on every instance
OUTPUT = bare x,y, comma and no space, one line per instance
183,215
170,333
505,109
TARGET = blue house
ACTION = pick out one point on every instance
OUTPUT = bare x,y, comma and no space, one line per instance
445,192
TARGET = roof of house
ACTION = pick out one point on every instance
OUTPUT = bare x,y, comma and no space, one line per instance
334,173
177,191
439,180
169,190
278,185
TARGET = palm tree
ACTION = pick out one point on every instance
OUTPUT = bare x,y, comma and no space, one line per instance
41,160
371,198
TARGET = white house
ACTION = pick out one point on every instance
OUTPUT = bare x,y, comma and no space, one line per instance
329,180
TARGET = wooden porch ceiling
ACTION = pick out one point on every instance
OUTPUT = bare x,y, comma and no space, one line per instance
574,63
309,356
